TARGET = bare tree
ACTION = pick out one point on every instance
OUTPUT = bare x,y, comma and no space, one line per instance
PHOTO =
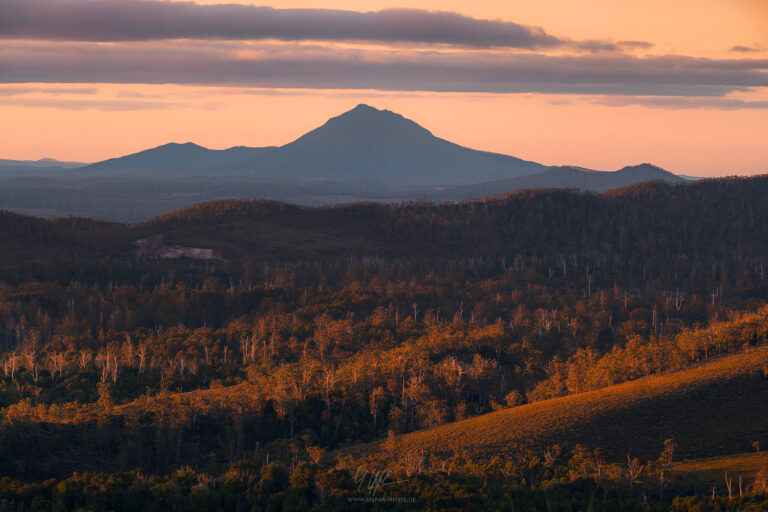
634,468
377,395
35,371
113,365
330,375
142,355
729,486
10,365
29,359
84,358
552,453
57,363
413,462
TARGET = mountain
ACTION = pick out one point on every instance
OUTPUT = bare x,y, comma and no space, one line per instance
169,157
368,144
34,168
364,154
43,162
563,177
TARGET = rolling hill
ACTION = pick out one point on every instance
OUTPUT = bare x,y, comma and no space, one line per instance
712,470
709,410
645,226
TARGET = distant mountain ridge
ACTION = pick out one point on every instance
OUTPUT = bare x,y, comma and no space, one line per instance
364,154
366,146
34,168
43,162
565,177
170,157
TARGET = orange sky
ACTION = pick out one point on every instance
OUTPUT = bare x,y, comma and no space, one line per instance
692,27
92,121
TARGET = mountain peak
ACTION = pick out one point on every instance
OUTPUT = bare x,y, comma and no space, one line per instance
648,172
366,121
362,107
643,167
366,111
188,145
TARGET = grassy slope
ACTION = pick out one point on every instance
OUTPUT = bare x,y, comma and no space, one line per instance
712,470
714,409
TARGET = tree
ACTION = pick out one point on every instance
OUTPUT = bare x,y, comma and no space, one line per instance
582,460
375,400
634,468
552,453
760,485
669,451
514,398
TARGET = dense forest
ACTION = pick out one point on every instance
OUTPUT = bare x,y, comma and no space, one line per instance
256,380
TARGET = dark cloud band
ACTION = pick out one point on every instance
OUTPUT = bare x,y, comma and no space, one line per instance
744,49
143,20
676,103
301,66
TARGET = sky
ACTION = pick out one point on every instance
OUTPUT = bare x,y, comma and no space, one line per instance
595,83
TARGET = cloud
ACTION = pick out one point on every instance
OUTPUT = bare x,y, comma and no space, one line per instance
744,49
16,90
596,45
645,45
106,105
315,67
672,103
143,20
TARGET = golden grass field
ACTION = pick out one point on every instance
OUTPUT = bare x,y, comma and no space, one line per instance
712,471
716,408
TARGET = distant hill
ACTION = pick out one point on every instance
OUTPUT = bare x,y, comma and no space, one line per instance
169,157
27,168
43,162
709,410
563,177
680,228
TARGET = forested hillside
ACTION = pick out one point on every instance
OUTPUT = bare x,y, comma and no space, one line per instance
260,377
